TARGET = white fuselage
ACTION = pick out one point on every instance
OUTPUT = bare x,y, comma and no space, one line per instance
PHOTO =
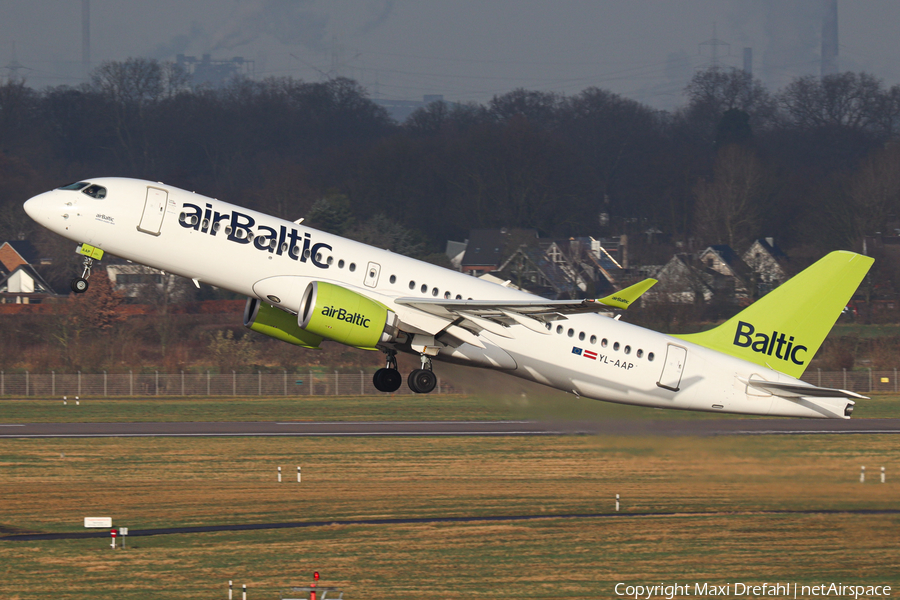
259,255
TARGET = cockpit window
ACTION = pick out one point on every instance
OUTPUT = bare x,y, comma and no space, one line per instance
78,185
95,191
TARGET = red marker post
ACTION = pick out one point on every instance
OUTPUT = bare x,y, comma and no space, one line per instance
312,593
112,534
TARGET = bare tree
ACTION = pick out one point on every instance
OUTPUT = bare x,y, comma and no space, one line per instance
728,208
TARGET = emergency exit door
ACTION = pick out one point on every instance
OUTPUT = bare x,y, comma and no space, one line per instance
154,209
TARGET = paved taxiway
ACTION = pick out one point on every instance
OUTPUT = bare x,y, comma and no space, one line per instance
704,427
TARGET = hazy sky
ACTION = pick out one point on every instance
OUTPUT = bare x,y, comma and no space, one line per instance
463,49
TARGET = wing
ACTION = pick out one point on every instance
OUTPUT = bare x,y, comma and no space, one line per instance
474,316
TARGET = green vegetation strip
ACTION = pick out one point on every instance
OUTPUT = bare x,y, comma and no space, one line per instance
51,485
360,408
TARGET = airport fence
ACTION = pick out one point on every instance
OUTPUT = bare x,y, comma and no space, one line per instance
310,383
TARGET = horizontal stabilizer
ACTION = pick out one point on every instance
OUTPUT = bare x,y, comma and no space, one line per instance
795,390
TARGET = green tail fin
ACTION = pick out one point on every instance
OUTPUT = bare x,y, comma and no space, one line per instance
784,329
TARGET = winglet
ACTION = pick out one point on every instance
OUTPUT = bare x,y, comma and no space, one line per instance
624,298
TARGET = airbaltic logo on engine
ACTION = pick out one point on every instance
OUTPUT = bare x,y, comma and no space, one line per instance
239,228
783,349
341,314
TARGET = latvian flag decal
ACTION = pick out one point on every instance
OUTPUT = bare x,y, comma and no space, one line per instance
585,353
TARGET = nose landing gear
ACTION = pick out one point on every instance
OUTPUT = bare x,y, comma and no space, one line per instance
79,285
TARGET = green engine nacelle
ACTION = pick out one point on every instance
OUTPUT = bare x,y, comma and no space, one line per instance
344,316
276,323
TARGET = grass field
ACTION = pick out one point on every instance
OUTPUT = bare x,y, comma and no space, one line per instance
719,485
362,408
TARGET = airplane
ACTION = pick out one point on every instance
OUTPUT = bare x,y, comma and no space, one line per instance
305,286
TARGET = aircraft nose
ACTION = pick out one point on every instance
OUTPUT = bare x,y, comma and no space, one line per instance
37,207
41,207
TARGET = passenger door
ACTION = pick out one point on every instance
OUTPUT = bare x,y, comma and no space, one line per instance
154,210
670,378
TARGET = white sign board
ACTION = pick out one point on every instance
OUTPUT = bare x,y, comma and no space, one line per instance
98,521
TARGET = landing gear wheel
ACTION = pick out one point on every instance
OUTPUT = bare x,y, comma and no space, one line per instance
79,285
422,381
387,380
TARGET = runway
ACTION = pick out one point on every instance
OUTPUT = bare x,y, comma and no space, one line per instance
37,536
699,427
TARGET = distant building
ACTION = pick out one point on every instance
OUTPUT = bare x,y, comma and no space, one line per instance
718,272
20,282
768,265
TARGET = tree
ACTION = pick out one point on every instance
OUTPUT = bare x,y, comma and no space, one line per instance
229,353
848,100
729,207
331,213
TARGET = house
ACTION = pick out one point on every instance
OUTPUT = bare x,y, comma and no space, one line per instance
718,272
531,269
767,264
715,273
727,273
20,282
132,280
681,281
484,251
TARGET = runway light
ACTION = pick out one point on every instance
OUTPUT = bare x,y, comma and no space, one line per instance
316,575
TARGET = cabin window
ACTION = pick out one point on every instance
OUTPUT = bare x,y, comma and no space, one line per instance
458,297
571,332
616,346
435,292
593,339
559,329
330,260
341,264
581,336
650,357
412,285
352,267
393,279
627,349
604,342
446,295
424,288
306,253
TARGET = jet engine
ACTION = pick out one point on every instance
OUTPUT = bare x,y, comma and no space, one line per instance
276,323
342,315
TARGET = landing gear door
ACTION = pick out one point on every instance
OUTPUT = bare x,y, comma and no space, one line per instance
673,368
372,272
154,209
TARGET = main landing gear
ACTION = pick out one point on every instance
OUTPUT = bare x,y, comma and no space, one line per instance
79,285
388,379
423,380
